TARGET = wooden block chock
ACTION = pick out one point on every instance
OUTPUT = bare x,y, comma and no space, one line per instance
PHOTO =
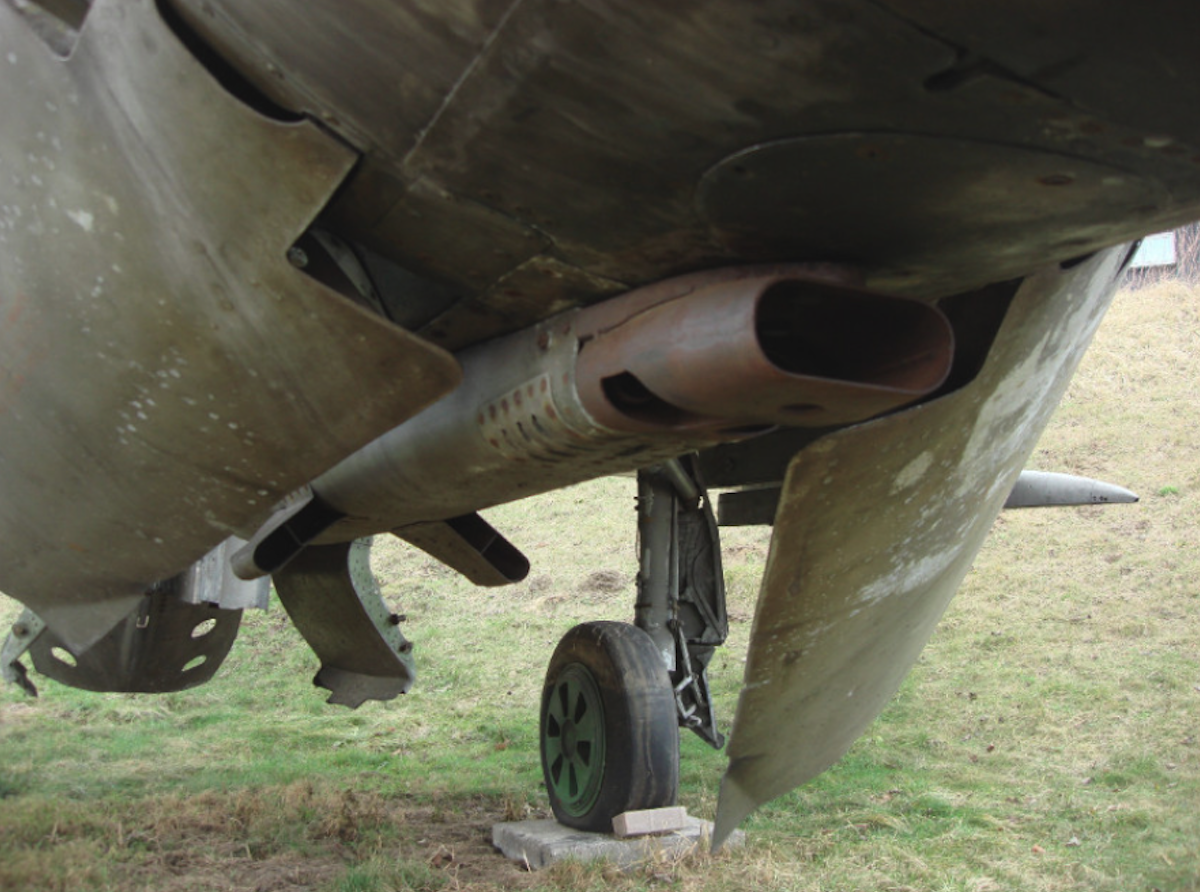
650,820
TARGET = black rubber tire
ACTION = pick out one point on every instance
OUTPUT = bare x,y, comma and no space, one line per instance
617,666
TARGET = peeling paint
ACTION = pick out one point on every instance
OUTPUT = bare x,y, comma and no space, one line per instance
83,219
913,472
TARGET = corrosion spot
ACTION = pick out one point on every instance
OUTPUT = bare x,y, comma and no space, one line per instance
1056,179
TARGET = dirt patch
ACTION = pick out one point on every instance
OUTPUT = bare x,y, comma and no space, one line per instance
290,872
462,846
304,838
604,582
14,713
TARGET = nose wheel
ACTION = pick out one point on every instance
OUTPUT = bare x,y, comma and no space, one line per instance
609,734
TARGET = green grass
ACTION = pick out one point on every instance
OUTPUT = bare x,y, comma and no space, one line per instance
1048,739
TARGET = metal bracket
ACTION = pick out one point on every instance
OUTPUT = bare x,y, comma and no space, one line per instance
470,545
24,632
331,596
681,585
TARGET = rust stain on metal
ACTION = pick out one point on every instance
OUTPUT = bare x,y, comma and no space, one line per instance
758,349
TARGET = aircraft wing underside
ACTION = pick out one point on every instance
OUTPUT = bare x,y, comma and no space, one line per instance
297,273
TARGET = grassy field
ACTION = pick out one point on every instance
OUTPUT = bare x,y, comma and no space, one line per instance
1049,739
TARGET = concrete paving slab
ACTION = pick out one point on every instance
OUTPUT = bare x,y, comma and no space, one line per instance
540,843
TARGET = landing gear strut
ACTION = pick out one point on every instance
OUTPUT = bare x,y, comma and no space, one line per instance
616,694
681,586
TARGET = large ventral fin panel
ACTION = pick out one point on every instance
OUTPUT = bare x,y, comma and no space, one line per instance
876,527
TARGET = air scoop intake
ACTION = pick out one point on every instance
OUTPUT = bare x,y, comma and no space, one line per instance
766,350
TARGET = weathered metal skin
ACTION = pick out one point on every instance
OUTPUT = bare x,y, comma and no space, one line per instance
539,155
534,411
334,602
165,374
876,528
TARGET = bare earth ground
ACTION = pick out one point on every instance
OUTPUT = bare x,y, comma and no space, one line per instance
207,843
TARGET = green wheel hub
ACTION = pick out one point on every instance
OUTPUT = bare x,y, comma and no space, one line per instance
573,739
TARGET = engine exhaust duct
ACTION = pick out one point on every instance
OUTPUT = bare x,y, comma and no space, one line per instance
662,370
759,350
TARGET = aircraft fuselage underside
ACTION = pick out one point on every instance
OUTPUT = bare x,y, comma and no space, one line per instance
278,276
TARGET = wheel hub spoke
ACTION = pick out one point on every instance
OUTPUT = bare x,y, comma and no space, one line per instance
574,738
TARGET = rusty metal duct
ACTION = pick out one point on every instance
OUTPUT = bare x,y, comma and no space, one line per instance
654,373
763,350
